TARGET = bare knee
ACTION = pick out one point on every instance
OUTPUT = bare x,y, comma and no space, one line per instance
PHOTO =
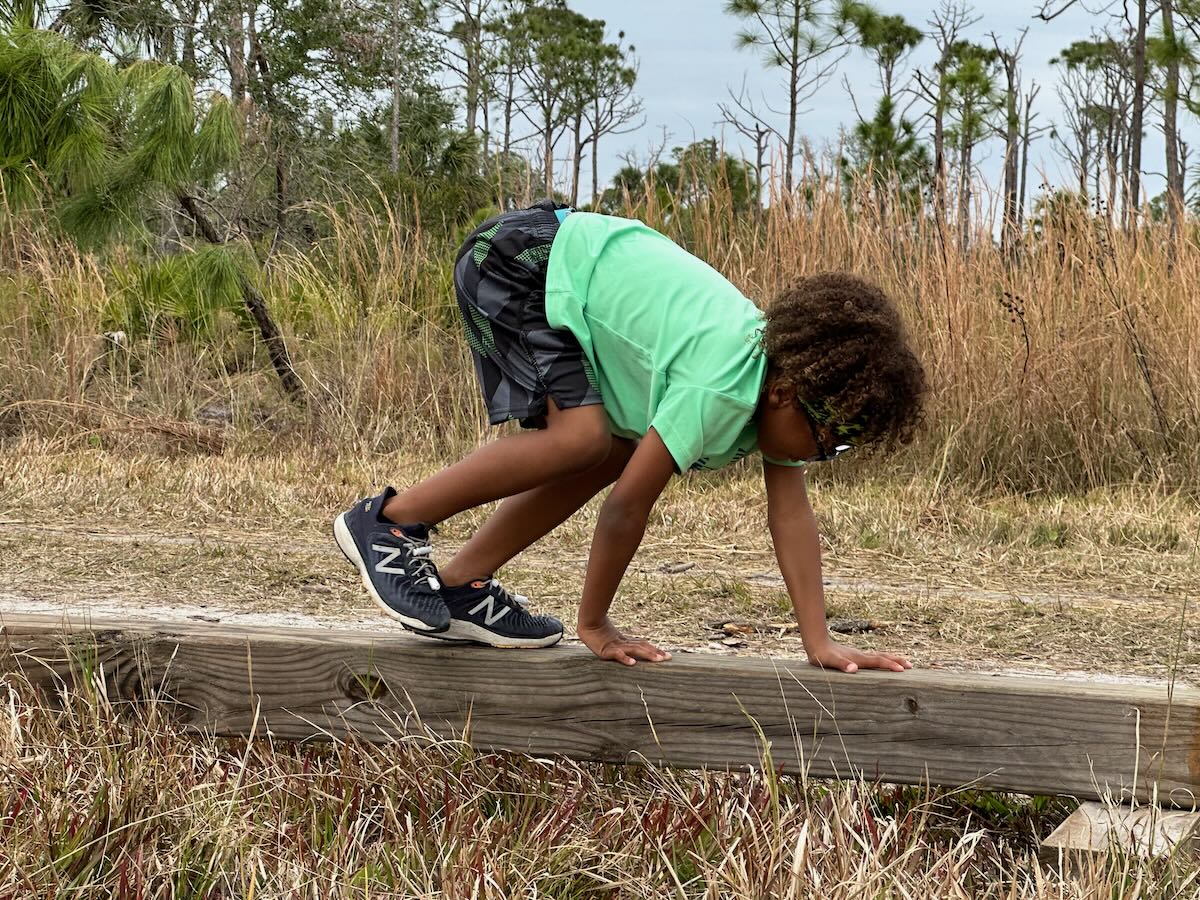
581,436
584,448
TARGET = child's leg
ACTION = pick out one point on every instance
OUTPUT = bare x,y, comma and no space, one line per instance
523,519
575,440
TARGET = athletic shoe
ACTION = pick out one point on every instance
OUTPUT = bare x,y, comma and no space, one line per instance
394,563
484,612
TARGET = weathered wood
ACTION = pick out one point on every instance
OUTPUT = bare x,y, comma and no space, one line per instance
1035,735
1145,830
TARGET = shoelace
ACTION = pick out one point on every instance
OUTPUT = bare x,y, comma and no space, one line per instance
518,600
422,566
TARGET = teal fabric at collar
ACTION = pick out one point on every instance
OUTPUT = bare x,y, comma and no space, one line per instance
563,213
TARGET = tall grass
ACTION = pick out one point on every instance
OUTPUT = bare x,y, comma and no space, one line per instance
1072,365
98,799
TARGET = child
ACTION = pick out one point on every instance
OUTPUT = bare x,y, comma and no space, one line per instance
630,360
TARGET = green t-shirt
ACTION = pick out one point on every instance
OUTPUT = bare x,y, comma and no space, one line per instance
672,344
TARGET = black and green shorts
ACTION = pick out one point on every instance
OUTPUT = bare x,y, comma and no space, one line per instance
500,281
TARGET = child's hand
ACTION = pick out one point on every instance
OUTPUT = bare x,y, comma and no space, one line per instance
607,642
831,655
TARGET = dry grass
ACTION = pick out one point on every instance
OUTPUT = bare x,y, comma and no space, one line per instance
1074,367
1101,583
101,800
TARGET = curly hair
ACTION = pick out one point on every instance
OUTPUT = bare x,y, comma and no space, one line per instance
838,341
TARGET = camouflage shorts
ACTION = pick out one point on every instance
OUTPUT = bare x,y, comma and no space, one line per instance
500,282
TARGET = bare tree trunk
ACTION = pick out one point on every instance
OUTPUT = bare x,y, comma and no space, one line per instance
1010,228
165,35
509,101
596,154
947,25
760,165
1121,145
793,97
485,131
471,46
506,142
1010,224
1085,163
793,103
1026,137
1171,129
237,54
964,195
1135,123
277,120
256,305
472,99
548,142
939,162
1114,178
595,172
188,57
394,137
577,158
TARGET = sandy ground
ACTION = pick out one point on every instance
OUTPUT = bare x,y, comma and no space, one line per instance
1105,583
675,594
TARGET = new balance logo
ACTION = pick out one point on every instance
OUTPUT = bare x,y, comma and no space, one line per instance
385,564
493,615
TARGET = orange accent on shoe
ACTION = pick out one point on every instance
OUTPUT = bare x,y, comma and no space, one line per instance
478,584
398,532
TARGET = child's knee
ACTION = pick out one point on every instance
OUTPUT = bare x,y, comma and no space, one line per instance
583,441
589,450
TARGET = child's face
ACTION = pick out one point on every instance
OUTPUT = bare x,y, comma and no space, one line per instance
784,431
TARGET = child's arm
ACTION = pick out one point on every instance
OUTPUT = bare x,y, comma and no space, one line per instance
798,549
619,530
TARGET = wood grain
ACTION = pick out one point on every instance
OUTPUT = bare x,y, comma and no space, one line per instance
1029,734
1145,831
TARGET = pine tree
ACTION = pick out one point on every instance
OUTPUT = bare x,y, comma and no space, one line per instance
100,146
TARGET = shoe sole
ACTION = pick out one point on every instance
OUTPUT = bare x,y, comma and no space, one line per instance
345,542
467,632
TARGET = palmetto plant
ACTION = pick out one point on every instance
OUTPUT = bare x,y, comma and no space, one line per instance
104,150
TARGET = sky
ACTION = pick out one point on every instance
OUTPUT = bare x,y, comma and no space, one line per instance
688,60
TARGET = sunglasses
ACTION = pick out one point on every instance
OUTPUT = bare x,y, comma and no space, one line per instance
823,455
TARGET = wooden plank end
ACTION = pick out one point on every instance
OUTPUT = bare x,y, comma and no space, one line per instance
1147,831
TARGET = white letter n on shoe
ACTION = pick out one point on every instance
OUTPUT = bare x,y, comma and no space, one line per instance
384,565
493,615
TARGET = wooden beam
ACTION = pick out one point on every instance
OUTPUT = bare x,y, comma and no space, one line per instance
1028,734
1144,831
